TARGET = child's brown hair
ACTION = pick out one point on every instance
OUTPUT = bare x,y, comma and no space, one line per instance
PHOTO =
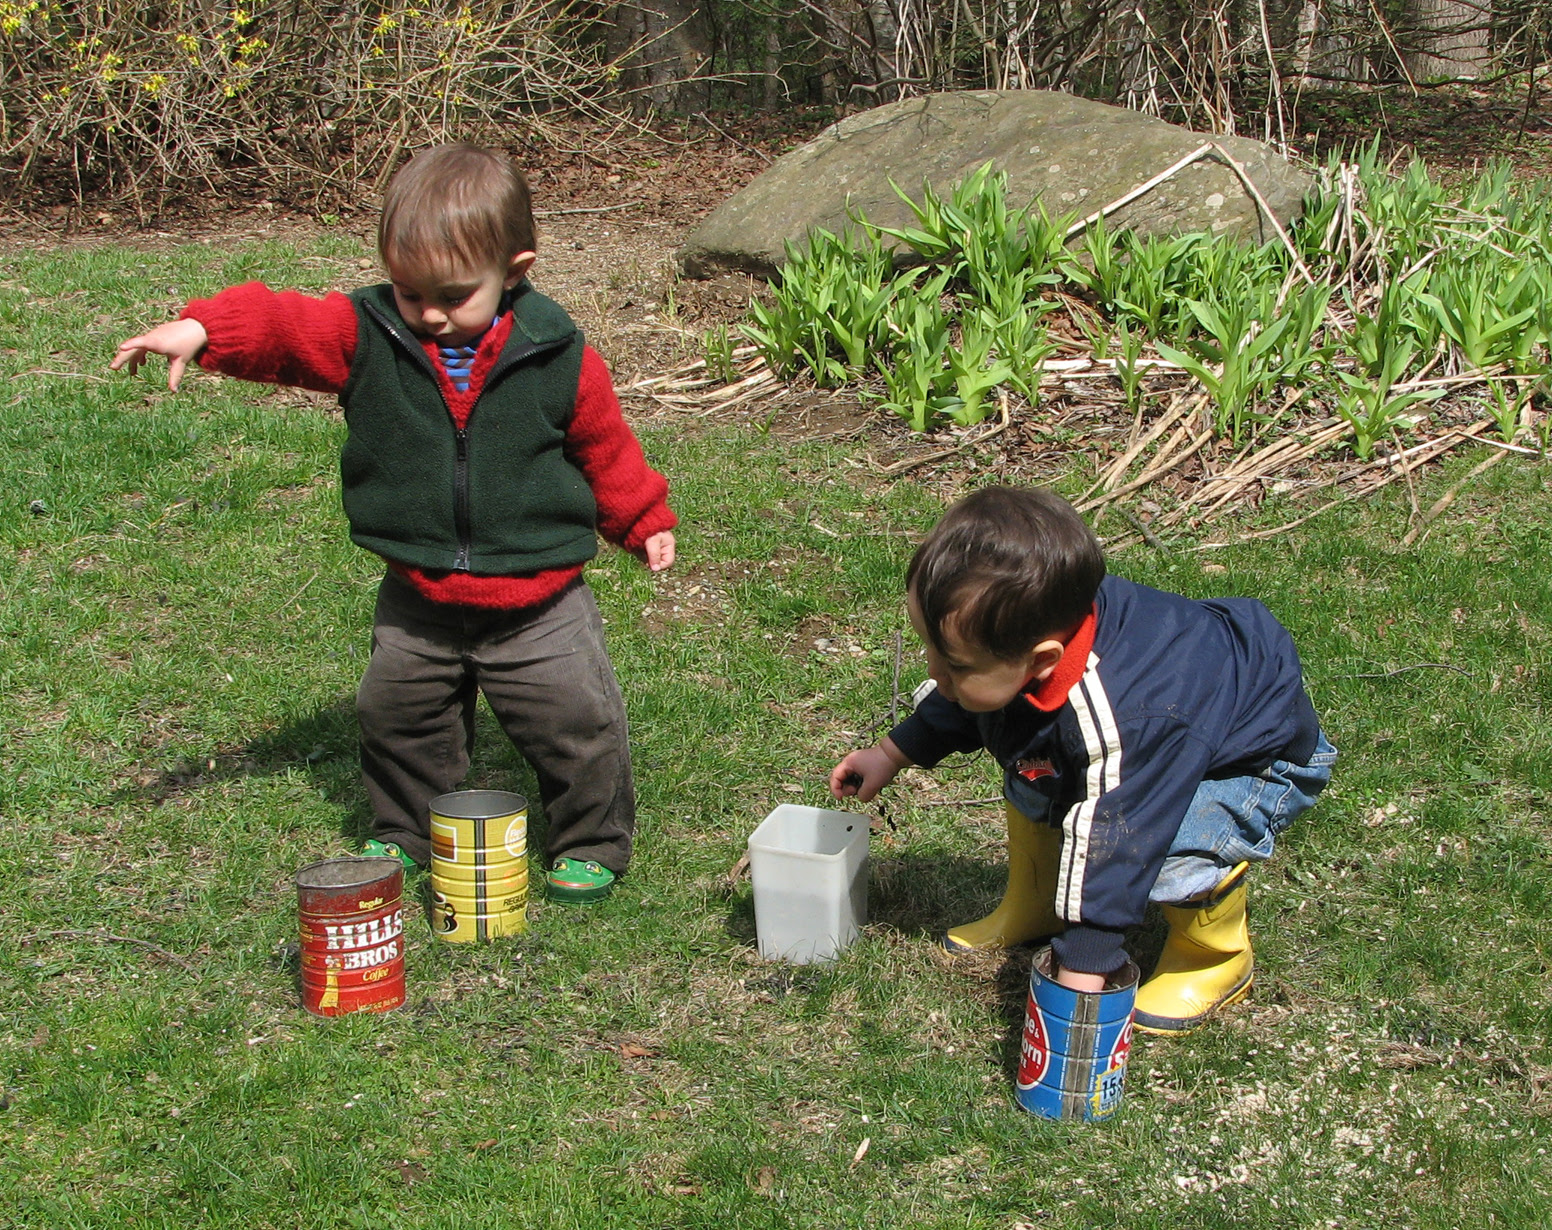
455,204
1010,566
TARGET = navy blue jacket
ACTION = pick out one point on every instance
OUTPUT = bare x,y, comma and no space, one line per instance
1155,694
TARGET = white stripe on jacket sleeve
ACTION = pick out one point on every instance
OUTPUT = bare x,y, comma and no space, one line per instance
1102,744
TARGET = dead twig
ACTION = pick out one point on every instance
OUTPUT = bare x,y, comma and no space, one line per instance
894,683
106,937
1416,666
595,209
1201,151
1448,498
1182,405
911,463
64,375
1148,536
1154,472
1250,187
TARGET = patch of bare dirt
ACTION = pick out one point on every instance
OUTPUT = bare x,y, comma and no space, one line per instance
1454,128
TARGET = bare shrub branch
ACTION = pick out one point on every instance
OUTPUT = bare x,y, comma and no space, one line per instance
298,98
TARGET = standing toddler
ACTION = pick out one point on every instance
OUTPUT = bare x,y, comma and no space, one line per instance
485,452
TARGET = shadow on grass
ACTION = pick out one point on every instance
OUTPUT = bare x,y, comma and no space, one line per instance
921,897
912,894
319,744
323,745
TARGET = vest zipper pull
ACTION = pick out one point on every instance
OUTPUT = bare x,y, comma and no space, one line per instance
461,500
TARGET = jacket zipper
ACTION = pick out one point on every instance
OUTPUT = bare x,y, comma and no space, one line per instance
461,525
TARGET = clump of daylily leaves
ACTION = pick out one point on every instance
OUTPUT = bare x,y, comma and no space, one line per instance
1388,293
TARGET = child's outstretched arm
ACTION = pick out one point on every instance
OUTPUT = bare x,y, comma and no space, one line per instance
180,340
254,333
863,773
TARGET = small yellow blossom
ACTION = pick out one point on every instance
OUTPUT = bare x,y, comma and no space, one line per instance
13,15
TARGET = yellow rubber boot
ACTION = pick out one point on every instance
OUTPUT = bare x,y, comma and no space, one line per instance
1028,908
1206,963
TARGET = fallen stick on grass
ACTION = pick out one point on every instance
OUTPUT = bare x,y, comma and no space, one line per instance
108,937
1416,666
1181,405
1157,470
911,463
1433,448
1448,498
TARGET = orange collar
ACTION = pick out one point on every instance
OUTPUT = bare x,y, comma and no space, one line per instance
1052,694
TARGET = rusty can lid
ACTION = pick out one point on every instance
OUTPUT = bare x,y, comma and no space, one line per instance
348,872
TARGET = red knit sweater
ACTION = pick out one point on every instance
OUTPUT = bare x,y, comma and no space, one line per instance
289,338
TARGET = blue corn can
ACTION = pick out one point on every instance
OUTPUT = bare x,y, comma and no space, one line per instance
1072,1062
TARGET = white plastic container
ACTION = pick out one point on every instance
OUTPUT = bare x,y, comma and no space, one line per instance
810,872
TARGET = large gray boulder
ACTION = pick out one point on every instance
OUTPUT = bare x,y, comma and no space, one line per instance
1075,154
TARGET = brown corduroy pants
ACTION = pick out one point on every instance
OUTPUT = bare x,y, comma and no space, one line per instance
546,675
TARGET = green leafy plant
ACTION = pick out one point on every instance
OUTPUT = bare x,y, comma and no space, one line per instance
1024,343
829,308
1383,349
1128,364
717,348
976,369
1477,305
1466,280
1235,358
918,385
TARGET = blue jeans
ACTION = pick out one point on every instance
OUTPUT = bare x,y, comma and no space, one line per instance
1230,821
1236,820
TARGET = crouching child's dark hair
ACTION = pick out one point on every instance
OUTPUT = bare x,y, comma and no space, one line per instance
1010,566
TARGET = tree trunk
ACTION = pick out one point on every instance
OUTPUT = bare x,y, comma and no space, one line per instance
884,29
661,47
1452,38
775,88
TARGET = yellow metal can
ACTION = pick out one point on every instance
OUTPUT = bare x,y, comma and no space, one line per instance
479,865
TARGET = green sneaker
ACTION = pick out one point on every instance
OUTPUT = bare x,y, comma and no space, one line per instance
577,882
372,848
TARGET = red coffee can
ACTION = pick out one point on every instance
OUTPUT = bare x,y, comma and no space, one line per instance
352,920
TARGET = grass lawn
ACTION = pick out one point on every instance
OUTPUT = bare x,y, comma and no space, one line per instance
184,623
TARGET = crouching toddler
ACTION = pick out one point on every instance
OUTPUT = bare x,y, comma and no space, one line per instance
1152,746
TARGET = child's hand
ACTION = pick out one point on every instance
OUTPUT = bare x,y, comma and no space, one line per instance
865,772
1074,981
658,551
179,340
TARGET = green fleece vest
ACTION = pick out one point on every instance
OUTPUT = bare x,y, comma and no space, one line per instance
498,497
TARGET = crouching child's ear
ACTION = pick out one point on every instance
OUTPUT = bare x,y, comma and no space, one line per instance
1045,657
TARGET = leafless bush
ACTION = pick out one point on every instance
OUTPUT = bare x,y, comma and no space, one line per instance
1223,65
303,99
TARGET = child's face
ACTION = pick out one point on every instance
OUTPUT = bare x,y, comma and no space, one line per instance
970,675
453,304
